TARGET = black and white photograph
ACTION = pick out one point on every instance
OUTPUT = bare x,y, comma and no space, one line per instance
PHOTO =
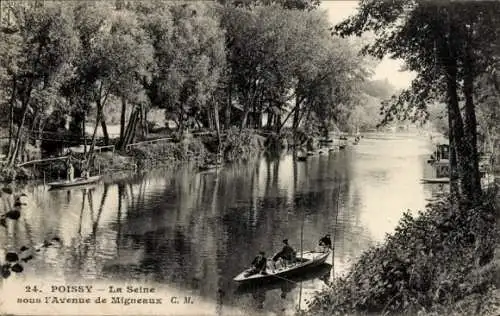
249,157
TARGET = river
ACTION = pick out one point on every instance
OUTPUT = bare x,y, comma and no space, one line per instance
181,230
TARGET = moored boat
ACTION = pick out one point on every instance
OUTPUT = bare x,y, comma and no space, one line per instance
308,260
75,182
209,167
436,180
326,140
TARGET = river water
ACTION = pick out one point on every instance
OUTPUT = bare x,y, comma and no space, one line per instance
192,232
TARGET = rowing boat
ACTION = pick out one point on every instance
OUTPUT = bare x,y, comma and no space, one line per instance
75,182
322,271
308,260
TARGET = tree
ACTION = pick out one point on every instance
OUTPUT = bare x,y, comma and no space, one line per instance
268,49
284,63
334,93
436,41
286,4
116,58
189,51
47,48
10,57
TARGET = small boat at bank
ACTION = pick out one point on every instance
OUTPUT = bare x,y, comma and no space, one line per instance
209,167
435,180
308,260
75,182
326,140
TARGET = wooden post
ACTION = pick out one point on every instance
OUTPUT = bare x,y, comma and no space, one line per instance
44,178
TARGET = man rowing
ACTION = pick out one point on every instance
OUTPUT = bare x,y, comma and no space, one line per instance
326,242
287,254
259,264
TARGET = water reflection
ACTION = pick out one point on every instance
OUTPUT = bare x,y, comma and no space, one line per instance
196,231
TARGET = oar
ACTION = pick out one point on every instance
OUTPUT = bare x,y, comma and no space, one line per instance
282,278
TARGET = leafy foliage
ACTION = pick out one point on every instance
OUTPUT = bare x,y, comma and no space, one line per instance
14,260
189,53
196,60
286,4
424,266
443,42
240,144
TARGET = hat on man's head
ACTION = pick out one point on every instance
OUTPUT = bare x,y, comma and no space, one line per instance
285,241
261,253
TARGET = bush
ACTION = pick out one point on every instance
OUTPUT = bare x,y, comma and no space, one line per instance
241,144
109,161
424,266
163,152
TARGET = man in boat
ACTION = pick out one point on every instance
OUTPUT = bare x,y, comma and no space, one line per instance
326,242
288,254
71,173
85,173
259,264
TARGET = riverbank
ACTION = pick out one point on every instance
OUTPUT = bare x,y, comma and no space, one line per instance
237,145
443,261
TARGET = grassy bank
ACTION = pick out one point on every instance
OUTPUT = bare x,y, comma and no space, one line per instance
235,146
440,262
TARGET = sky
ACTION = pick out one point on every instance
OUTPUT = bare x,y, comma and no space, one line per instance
388,68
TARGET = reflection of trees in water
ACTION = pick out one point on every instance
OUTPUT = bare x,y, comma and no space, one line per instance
286,288
174,248
121,192
77,244
84,251
210,226
164,255
42,220
259,297
200,230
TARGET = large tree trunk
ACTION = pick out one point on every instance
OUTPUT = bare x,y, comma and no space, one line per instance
278,123
227,112
100,102
144,121
458,145
181,120
94,133
131,128
84,132
11,115
245,117
270,118
217,128
104,127
456,129
473,176
296,116
123,118
19,133
454,176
